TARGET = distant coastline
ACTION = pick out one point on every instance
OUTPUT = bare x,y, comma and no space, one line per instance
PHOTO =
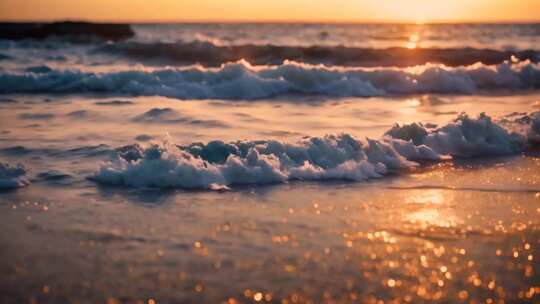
75,29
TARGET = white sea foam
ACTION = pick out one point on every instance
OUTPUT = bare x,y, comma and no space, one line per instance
240,80
464,137
218,165
12,176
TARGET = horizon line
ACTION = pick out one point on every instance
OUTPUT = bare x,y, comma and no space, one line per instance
270,21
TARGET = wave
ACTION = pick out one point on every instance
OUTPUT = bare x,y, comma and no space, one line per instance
241,80
12,176
84,151
209,54
218,165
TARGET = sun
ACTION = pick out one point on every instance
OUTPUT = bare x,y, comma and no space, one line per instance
420,21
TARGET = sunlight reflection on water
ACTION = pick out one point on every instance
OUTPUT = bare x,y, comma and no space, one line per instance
434,208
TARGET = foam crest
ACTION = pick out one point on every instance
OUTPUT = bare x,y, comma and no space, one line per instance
240,80
464,137
219,165
12,176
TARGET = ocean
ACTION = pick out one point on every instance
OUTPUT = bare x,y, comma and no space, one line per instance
279,163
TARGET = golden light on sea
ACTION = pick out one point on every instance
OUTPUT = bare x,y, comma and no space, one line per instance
430,208
413,41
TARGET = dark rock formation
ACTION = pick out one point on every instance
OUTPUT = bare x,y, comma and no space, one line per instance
74,31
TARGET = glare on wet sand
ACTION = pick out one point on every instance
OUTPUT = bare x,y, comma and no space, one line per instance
390,241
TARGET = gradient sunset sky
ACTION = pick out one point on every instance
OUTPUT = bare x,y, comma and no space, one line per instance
272,10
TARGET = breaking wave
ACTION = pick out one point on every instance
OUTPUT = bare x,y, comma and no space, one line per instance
12,176
219,165
241,80
210,54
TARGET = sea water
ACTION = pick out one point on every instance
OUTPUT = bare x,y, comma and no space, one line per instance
281,163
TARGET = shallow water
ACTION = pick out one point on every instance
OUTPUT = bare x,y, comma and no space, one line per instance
457,230
72,135
72,121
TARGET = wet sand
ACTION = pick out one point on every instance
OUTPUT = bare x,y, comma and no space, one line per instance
456,232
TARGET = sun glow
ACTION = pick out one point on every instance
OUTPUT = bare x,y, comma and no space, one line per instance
417,11
413,41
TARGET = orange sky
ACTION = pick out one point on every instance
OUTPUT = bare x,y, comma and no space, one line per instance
273,10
